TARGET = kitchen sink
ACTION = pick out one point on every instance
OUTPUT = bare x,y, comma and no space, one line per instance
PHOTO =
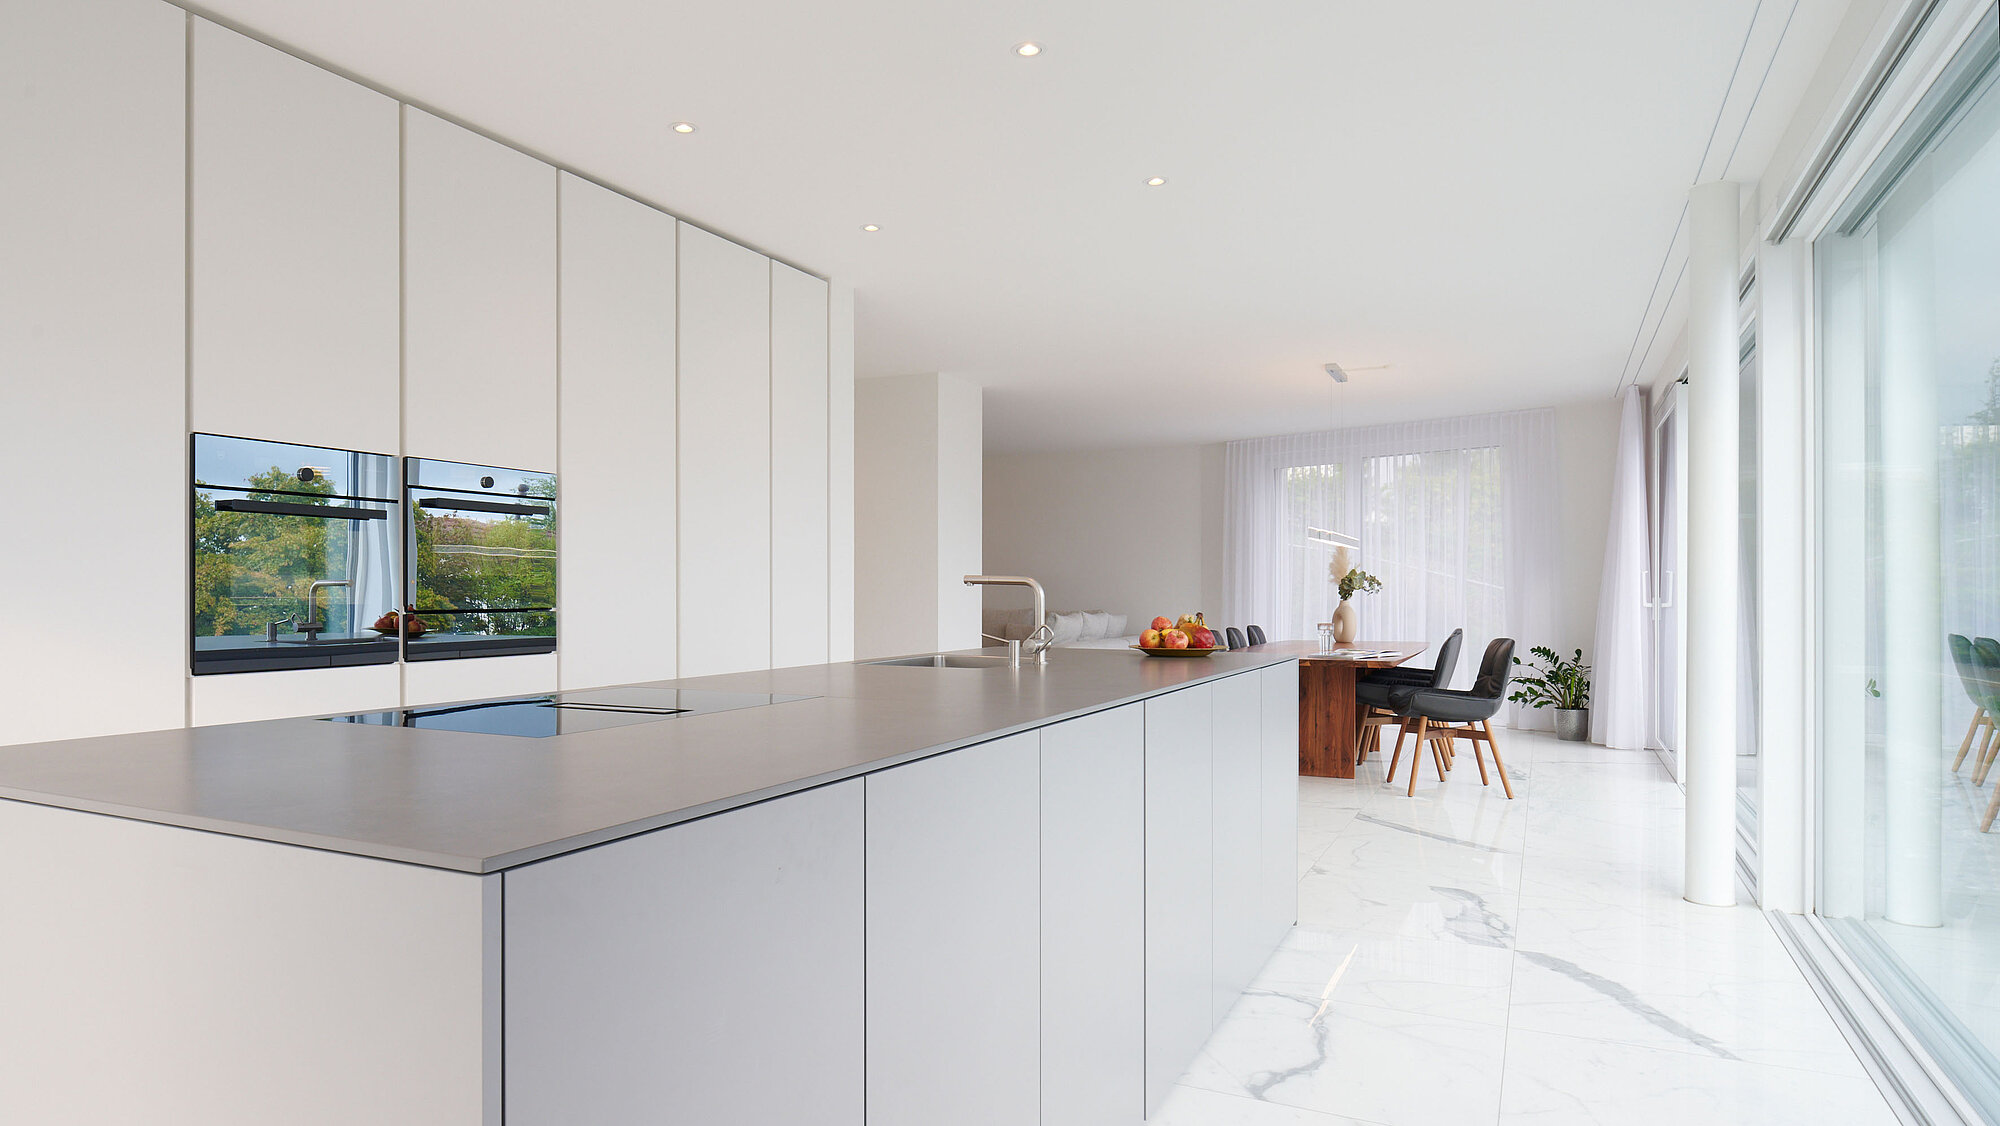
947,661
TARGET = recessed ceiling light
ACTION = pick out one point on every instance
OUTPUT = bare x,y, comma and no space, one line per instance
1156,181
871,227
683,126
1028,50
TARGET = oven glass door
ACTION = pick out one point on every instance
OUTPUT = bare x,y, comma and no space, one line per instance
482,560
293,553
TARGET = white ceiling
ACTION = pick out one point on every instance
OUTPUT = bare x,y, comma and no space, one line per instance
1478,193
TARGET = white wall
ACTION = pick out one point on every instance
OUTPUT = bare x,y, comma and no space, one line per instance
1139,531
1586,450
1133,531
395,238
917,529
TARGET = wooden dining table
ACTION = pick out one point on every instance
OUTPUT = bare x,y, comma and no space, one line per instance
1329,719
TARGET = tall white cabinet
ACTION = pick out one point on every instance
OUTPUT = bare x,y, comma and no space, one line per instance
92,271
293,213
203,232
801,487
725,455
479,338
295,337
479,298
618,461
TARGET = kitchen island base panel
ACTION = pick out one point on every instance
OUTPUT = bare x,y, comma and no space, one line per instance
954,937
651,973
180,978
1094,920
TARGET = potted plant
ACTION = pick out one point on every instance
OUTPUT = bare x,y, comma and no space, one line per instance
1344,618
1562,683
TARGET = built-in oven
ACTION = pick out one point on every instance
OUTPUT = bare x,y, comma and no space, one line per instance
480,560
294,556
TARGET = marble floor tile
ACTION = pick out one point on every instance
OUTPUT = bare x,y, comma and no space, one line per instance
1466,959
1669,932
1380,1065
1428,976
1391,903
1764,1020
1193,1106
1571,1081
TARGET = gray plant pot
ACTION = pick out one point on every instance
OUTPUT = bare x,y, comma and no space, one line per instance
1573,724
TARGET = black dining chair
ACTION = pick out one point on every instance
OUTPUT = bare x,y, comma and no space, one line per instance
1966,660
1466,714
1371,692
1256,634
1235,637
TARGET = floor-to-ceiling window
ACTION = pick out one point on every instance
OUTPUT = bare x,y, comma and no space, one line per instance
1908,583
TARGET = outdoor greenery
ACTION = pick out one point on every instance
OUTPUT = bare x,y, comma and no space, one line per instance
476,574
250,569
1560,682
1358,582
486,574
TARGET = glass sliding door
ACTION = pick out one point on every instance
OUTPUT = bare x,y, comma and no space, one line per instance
1749,781
1908,402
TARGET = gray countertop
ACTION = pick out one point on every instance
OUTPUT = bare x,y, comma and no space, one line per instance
482,803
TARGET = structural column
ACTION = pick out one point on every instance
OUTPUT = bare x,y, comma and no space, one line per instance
1709,743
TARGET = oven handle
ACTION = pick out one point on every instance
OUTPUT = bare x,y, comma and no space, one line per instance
458,504
322,511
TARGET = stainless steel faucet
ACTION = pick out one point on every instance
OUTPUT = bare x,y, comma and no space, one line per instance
1037,642
312,626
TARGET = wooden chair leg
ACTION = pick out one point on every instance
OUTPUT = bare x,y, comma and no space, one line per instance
1423,737
1401,730
1437,757
1965,744
1987,752
1480,759
1501,767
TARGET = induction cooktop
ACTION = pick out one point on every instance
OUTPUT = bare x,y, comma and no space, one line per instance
566,713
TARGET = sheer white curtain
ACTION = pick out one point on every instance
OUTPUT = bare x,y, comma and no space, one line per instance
1456,516
1622,660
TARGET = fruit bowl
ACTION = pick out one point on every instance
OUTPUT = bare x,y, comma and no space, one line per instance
1190,652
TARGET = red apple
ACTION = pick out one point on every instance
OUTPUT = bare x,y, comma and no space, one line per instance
1149,639
1203,638
1173,639
1163,624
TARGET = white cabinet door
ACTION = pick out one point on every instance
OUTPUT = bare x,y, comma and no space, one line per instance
706,973
725,456
801,486
92,368
840,515
1241,892
1281,801
954,946
1094,919
618,465
247,696
478,678
1180,916
294,300
479,293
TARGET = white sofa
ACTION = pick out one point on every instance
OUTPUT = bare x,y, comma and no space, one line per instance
1074,629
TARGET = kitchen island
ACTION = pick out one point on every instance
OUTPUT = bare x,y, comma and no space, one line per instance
888,895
